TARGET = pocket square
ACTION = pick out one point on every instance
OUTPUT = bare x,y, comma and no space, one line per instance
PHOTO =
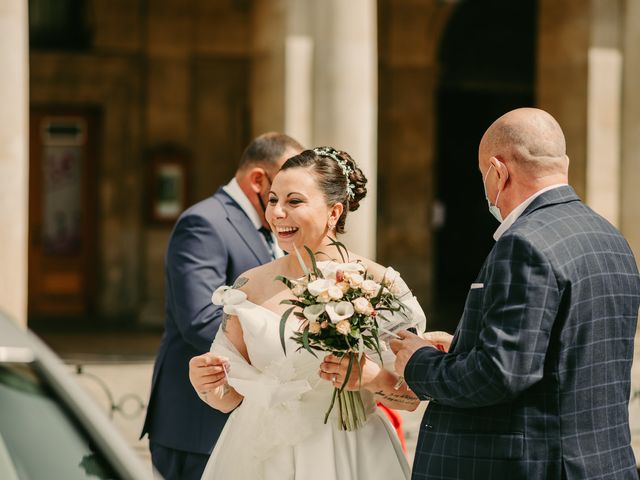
477,285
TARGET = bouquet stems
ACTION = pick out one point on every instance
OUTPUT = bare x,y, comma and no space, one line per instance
351,412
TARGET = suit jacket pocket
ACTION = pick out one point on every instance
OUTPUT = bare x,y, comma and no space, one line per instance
508,446
469,326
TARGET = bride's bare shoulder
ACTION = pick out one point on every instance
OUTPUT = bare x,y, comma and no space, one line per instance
254,281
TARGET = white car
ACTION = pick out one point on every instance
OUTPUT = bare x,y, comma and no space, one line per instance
50,428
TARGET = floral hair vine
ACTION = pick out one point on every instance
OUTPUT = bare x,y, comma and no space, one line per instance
346,169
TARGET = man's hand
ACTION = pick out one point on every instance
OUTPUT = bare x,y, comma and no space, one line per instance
405,347
206,372
440,340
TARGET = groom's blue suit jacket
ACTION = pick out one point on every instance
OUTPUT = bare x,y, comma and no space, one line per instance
536,384
212,243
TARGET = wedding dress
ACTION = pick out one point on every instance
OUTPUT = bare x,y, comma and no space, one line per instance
277,432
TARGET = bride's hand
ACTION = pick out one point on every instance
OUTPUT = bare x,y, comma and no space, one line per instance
207,372
334,370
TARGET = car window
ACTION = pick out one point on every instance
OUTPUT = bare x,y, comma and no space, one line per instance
42,438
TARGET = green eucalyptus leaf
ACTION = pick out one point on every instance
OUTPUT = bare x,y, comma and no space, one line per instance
348,373
283,323
314,264
301,261
289,301
285,280
305,341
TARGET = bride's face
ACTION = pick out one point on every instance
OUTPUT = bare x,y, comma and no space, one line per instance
297,210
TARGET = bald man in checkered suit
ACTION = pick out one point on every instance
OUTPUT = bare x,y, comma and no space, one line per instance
535,383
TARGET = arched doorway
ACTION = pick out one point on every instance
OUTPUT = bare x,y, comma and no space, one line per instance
487,62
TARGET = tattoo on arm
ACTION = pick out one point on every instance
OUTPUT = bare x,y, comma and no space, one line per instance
223,324
240,282
404,398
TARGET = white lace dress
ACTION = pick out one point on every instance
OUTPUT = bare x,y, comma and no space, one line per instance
277,432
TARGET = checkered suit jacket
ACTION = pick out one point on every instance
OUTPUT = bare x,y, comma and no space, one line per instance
537,382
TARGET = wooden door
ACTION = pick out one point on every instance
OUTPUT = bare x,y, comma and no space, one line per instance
63,159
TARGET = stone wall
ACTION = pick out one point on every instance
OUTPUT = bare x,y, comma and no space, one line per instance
167,72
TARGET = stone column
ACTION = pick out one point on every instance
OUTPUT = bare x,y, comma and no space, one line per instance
630,151
579,82
14,158
314,76
604,104
563,65
345,99
282,70
630,175
267,69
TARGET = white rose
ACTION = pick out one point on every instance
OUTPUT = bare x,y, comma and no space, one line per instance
362,305
339,310
343,327
356,280
314,327
312,312
335,292
234,296
370,288
228,296
318,286
216,297
298,289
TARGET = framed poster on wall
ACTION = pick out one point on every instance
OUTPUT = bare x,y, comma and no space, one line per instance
168,195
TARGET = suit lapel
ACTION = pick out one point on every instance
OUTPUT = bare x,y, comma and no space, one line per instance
243,225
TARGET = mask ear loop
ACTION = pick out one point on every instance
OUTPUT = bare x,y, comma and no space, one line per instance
484,181
500,191
486,175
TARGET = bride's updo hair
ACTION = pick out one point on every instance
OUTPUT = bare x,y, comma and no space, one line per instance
337,175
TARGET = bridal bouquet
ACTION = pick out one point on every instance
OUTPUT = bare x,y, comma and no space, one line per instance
343,310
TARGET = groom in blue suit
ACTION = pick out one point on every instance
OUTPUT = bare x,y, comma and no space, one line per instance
536,381
212,243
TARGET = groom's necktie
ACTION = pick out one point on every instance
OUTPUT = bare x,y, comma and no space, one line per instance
266,233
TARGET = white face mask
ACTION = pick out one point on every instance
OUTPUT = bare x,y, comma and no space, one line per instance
493,209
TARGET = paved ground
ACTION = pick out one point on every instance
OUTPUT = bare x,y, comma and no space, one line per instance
120,382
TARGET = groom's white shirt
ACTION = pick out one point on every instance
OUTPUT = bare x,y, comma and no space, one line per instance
516,212
235,192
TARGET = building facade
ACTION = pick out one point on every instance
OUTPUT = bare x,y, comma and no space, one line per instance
126,112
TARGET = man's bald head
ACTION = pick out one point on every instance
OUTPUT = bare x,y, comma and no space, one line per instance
530,137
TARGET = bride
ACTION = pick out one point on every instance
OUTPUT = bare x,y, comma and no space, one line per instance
277,429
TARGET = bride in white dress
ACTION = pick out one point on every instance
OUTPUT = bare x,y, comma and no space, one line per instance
276,430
